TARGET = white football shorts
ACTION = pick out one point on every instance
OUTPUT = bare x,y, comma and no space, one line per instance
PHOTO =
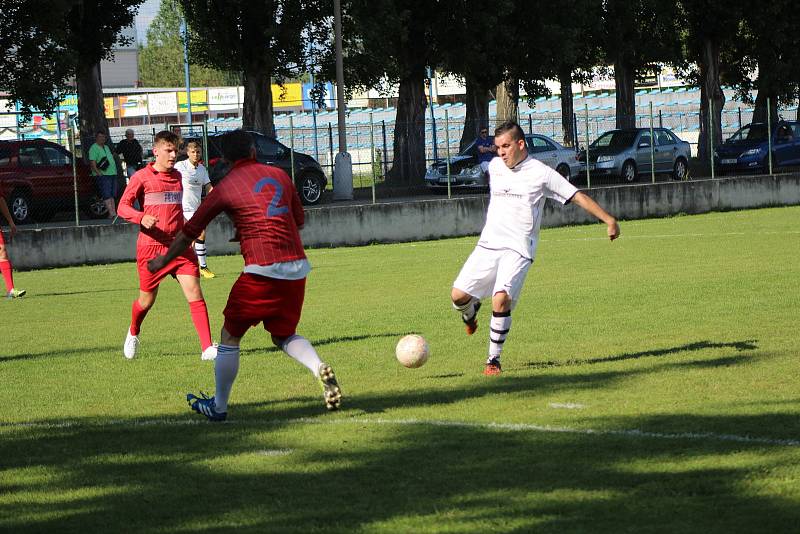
487,272
188,214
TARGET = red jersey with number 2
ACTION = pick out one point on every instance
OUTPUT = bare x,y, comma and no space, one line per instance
265,207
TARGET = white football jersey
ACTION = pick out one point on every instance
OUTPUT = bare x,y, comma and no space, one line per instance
516,204
194,179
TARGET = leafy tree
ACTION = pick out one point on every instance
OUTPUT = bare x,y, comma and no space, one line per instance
94,27
764,56
393,41
161,60
36,66
710,27
47,43
261,39
638,34
480,64
575,32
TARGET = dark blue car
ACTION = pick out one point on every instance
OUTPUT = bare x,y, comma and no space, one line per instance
748,149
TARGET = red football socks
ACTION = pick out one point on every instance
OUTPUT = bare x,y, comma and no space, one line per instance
137,317
5,268
200,319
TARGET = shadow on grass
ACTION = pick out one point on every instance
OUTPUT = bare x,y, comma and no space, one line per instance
284,469
275,475
749,344
83,351
327,341
68,293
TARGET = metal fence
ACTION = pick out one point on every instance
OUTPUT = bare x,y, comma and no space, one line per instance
64,191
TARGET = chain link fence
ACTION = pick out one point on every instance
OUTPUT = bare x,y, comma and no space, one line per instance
43,181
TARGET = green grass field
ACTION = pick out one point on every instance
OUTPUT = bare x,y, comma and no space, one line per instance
649,385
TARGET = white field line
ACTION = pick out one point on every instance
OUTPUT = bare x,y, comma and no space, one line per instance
567,405
509,427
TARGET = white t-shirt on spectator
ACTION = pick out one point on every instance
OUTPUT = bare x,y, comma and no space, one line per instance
517,202
194,179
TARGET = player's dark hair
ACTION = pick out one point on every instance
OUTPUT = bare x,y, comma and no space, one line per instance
166,136
510,127
236,145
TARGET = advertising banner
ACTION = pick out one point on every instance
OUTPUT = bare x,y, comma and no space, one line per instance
133,106
199,101
223,99
162,104
108,104
290,95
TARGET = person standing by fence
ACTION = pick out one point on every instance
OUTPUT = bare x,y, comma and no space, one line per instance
132,153
104,170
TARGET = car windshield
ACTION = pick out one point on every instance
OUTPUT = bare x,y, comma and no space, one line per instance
751,132
616,139
471,150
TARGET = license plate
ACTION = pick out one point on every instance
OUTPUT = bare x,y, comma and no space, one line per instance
729,162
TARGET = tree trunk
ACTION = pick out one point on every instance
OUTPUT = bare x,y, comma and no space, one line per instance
765,91
408,163
477,114
710,89
91,111
257,106
624,76
567,111
507,101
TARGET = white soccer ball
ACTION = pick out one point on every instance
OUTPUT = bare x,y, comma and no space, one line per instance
412,351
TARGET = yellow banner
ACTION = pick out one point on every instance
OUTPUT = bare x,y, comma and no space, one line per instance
290,95
108,104
199,101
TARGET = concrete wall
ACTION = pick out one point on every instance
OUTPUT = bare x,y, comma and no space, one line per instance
416,220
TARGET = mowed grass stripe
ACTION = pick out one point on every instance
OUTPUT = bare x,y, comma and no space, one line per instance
678,341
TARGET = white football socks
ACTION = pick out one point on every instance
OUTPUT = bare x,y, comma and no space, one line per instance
499,327
467,310
301,350
200,250
226,367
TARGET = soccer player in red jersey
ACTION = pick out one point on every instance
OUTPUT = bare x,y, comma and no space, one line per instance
5,262
158,189
265,207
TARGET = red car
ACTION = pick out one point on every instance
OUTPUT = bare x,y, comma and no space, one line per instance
37,177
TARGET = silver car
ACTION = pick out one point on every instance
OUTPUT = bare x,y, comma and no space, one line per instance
466,172
629,153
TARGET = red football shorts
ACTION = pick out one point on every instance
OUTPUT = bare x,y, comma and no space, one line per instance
186,263
258,299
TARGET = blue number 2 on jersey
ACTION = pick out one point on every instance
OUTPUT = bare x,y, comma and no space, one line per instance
273,210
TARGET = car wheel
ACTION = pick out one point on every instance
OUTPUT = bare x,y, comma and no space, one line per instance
310,188
563,170
629,171
20,207
680,171
95,208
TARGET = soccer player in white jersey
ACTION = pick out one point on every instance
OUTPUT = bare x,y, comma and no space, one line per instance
507,245
195,180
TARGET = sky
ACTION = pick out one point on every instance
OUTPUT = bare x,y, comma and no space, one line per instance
147,12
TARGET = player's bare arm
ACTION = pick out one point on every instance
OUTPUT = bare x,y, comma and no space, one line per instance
181,243
593,208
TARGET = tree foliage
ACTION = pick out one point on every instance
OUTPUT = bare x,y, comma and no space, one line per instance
637,35
36,65
48,44
161,60
263,40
